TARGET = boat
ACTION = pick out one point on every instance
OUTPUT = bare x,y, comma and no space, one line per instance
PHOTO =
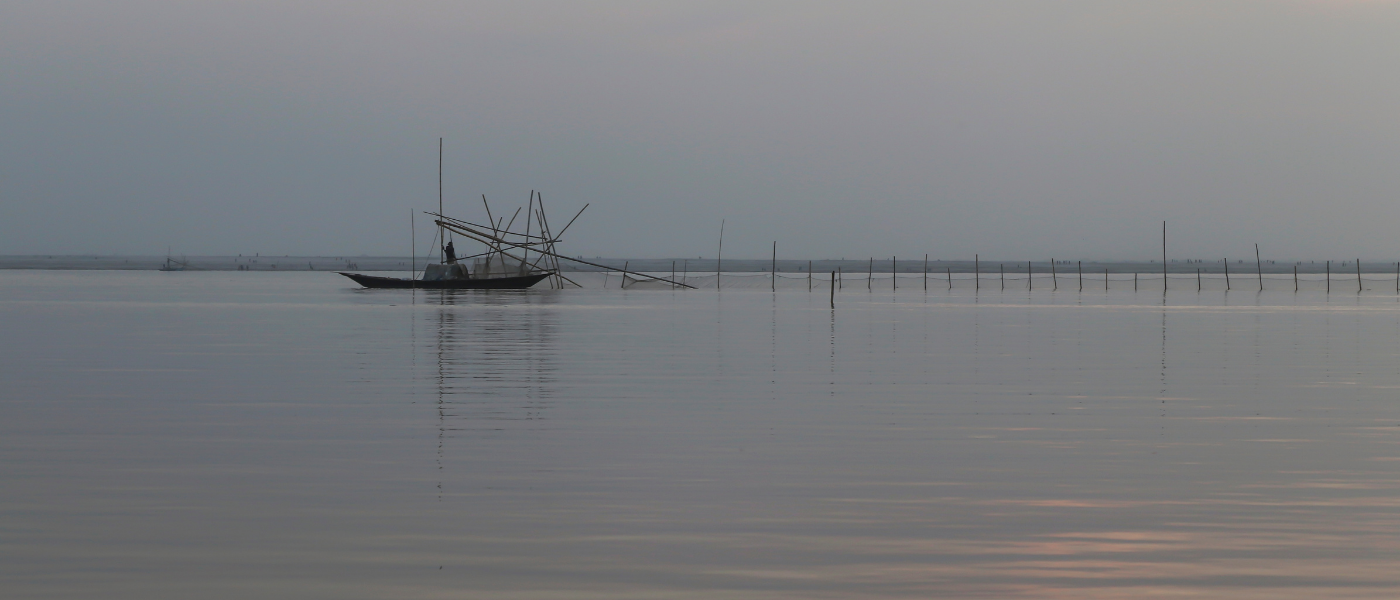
512,260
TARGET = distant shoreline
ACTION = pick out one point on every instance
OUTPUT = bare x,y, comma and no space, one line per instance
663,265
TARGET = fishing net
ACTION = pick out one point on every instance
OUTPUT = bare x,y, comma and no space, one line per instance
996,281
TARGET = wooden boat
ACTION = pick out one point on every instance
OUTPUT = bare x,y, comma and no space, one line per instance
513,260
491,283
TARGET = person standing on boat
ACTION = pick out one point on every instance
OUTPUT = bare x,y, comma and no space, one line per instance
450,253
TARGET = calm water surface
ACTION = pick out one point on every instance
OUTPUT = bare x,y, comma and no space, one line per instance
235,435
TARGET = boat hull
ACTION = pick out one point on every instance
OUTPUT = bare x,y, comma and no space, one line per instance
495,283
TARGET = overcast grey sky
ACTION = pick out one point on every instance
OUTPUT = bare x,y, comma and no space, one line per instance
1010,129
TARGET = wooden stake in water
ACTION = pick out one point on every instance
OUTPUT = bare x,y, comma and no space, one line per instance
833,290
950,277
625,264
719,258
809,275
1329,276
1198,280
1164,257
977,272
673,274
1358,276
894,273
1295,278
870,273
1002,267
773,275
1081,275
1134,281
1030,278
1227,274
1054,279
840,282
413,256
1397,285
1259,265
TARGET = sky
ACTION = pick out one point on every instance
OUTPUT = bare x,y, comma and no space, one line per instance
1013,130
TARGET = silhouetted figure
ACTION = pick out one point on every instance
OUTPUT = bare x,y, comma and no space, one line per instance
451,254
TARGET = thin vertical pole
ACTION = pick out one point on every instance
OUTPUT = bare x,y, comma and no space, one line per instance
1259,265
673,274
1002,267
1198,279
685,270
1105,280
1030,279
1329,276
442,251
530,210
625,264
1227,274
1164,257
1358,276
1054,279
977,271
870,273
833,289
1134,281
950,277
840,281
1397,285
1295,278
894,273
1081,275
719,265
413,256
774,273
809,275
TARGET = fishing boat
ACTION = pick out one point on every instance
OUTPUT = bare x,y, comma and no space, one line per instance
511,259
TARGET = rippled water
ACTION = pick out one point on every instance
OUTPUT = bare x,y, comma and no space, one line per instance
234,435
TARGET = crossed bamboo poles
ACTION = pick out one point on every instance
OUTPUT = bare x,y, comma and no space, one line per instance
501,240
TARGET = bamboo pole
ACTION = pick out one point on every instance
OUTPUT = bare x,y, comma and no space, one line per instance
773,275
977,272
442,252
1081,275
1329,276
625,264
1054,279
1198,279
413,256
1164,257
673,274
1030,279
833,290
870,274
1358,276
1002,267
1397,285
1295,278
1105,280
840,281
1227,274
809,275
719,266
894,274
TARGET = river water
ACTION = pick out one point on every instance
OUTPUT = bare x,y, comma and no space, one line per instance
285,435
